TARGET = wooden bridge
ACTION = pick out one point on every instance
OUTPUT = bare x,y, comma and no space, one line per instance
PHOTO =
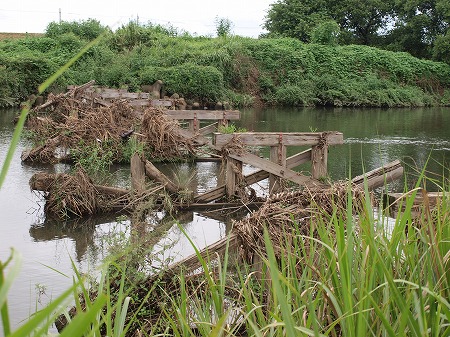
277,167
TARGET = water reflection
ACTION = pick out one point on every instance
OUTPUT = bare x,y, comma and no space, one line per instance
81,231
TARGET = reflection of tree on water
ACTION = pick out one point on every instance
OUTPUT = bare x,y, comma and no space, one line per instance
82,231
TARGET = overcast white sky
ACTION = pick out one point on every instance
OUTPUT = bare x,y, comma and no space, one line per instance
194,16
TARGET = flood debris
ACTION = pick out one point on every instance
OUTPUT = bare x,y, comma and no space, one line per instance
71,124
75,195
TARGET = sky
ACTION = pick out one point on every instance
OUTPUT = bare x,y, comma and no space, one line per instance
195,16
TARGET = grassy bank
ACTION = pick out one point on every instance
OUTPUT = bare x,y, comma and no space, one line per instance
243,71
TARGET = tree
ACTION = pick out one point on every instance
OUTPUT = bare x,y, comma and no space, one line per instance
326,33
223,26
359,20
419,23
294,18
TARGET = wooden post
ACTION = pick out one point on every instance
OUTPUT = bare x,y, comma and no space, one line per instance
277,156
137,174
319,161
194,124
234,167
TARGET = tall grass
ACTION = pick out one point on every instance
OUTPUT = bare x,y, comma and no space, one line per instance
357,277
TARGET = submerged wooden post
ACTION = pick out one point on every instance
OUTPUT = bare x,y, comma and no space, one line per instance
233,169
277,156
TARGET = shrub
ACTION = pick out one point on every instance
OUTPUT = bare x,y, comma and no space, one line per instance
204,83
86,29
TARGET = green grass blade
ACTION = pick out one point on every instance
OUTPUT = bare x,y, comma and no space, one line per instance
83,321
42,316
5,284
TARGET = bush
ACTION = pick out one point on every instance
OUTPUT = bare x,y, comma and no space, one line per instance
86,29
204,83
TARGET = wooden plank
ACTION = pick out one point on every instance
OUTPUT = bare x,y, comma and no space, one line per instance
193,262
218,192
278,170
432,198
162,102
218,206
196,138
206,130
124,95
377,176
287,138
384,178
157,175
205,114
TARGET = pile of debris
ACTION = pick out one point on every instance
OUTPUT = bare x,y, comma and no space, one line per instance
72,124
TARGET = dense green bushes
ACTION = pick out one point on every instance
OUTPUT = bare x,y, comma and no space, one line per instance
203,83
276,71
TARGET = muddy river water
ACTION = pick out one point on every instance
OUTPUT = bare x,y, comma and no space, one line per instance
372,137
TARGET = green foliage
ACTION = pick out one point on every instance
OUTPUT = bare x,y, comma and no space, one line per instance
441,49
85,29
95,159
132,146
189,80
326,33
230,128
223,26
239,70
360,20
410,26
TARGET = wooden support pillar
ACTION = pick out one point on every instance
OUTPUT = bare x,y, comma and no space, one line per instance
194,124
137,168
233,169
319,161
277,156
224,121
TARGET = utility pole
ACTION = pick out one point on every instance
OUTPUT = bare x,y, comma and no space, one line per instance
137,19
60,15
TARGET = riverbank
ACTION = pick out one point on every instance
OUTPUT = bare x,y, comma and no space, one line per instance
242,71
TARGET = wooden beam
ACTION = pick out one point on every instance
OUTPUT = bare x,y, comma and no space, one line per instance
218,206
208,129
273,138
380,176
193,262
278,170
204,114
157,175
218,192
196,138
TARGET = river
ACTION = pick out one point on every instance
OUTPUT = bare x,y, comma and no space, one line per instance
372,137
